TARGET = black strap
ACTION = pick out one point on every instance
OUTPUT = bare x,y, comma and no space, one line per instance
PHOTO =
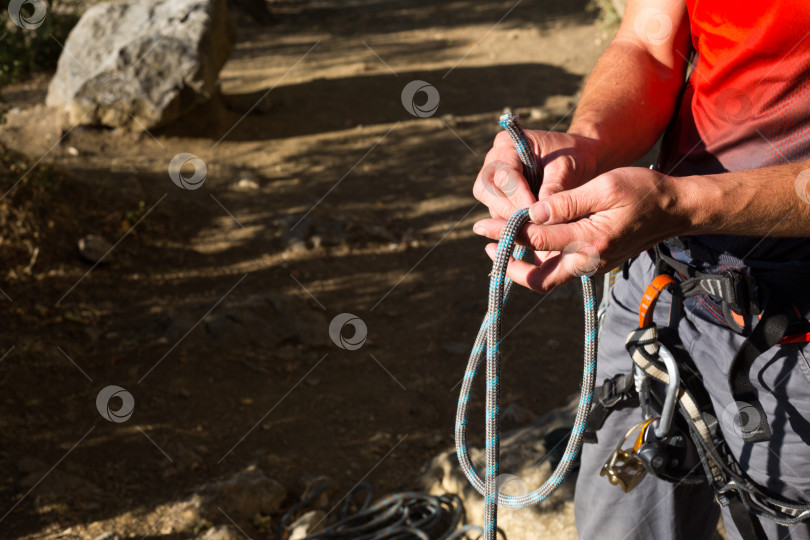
746,522
753,421
615,393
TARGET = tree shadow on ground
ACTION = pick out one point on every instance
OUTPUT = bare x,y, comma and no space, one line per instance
326,105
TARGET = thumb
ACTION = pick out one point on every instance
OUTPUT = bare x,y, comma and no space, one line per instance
564,206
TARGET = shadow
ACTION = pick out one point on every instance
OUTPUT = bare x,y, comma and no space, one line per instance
324,105
422,304
386,237
347,19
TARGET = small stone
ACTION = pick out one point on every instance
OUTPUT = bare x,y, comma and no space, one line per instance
263,522
247,182
307,524
221,532
73,151
321,484
538,114
108,535
93,248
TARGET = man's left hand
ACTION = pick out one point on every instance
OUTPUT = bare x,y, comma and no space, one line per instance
594,227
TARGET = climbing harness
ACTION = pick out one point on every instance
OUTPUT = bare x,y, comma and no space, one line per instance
487,344
675,448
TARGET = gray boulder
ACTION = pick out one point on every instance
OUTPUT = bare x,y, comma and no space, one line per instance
142,63
528,456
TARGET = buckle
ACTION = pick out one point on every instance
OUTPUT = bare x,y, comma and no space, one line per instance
611,394
609,397
742,293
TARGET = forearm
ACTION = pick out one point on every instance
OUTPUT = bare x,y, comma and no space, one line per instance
632,94
771,201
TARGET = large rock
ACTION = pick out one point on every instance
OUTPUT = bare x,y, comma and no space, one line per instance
142,63
528,455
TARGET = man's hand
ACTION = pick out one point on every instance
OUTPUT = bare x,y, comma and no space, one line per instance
594,227
567,162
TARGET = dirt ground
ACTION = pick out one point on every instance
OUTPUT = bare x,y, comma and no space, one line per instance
214,314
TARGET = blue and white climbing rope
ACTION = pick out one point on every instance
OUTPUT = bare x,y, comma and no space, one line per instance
487,346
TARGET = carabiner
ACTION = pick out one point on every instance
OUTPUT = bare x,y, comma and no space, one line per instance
673,387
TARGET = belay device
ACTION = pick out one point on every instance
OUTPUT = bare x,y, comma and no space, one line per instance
487,345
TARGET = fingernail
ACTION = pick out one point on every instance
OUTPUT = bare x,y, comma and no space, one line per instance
540,213
478,228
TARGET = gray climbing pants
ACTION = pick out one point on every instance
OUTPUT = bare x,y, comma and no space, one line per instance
660,510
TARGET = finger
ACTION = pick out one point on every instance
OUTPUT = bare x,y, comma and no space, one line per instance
514,186
541,238
559,170
542,279
489,228
499,203
567,206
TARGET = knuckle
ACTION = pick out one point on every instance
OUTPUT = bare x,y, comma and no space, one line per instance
535,237
565,207
611,183
568,165
540,142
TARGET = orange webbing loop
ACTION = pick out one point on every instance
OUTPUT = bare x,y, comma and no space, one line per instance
645,311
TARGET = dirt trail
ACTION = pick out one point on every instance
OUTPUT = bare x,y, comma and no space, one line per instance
380,207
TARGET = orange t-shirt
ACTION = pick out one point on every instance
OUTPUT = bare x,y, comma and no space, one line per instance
746,103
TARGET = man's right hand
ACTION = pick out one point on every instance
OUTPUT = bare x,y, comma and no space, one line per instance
568,161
